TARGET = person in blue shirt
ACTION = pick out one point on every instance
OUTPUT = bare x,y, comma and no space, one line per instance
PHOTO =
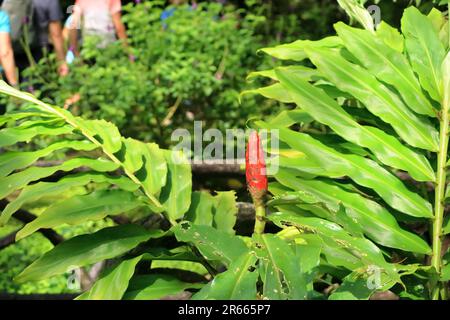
170,11
6,51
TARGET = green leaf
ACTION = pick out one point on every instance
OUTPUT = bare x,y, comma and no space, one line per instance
85,250
437,19
23,113
307,73
296,50
288,118
356,11
308,255
201,210
363,249
336,255
154,176
12,161
39,105
132,158
176,195
361,285
376,97
424,49
78,209
19,180
156,286
446,226
390,36
378,223
182,253
333,252
29,130
215,211
212,243
113,283
225,212
325,110
39,190
445,273
363,171
446,83
387,64
237,283
274,91
101,133
281,275
106,132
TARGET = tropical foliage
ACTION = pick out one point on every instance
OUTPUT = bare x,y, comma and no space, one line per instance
357,206
136,181
366,192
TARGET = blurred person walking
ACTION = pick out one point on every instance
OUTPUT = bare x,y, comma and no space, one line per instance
6,51
36,29
98,18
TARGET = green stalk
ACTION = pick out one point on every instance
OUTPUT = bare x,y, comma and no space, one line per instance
260,219
439,204
436,287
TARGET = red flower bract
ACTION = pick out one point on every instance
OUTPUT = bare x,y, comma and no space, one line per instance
256,167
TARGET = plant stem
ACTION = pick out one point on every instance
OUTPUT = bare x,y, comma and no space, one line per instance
260,219
213,272
171,112
439,199
71,121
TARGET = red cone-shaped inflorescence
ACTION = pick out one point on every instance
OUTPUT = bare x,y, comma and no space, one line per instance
256,168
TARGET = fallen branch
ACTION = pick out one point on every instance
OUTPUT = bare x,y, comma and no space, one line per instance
205,167
27,217
8,240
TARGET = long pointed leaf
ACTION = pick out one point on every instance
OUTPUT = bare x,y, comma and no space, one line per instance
376,97
378,223
85,250
363,171
19,180
325,110
113,284
424,49
386,64
39,190
78,209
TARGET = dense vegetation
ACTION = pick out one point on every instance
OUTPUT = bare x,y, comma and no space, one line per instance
356,209
189,66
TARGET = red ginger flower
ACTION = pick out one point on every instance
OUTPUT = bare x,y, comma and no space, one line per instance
256,168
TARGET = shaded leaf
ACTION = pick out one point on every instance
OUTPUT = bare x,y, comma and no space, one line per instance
281,275
378,223
78,209
85,250
176,195
19,180
237,283
424,49
39,190
212,243
376,97
156,286
325,110
113,283
387,64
